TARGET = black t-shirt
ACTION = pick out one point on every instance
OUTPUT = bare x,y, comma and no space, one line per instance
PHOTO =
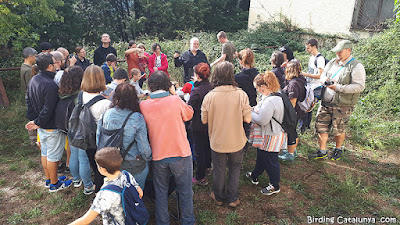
295,88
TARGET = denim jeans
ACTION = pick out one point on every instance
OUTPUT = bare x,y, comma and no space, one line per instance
230,192
52,144
80,166
141,177
182,171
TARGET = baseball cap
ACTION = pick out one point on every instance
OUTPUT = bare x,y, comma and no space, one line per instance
342,45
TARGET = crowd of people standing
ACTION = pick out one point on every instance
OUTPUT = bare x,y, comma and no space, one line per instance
223,114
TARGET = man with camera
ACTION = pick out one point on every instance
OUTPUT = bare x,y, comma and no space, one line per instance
190,59
344,79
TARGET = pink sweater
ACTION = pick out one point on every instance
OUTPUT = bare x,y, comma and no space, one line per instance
165,119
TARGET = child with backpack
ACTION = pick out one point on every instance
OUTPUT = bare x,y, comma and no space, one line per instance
108,202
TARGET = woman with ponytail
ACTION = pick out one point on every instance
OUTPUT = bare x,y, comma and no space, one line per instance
266,132
245,78
199,130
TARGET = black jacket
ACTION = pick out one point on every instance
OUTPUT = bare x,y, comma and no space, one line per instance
245,81
41,99
196,99
188,60
83,64
63,111
280,74
101,53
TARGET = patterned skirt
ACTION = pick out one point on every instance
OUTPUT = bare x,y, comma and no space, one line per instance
269,143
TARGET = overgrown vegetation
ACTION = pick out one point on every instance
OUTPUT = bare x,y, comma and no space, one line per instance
358,185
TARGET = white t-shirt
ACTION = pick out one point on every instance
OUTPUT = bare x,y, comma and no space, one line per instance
99,107
311,64
57,77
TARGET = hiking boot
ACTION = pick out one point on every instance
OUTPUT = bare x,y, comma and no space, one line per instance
337,153
61,167
218,203
201,182
254,181
67,170
47,183
234,204
269,190
287,157
77,183
61,184
88,191
318,155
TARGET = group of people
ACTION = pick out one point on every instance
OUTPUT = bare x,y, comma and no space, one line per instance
224,114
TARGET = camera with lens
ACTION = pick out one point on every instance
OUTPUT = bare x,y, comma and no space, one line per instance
329,82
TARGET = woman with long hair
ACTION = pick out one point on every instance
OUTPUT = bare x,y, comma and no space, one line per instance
93,83
224,109
125,102
296,92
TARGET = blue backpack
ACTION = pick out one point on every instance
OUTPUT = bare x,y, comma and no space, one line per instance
134,209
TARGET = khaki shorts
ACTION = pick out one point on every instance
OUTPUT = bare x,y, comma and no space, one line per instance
336,118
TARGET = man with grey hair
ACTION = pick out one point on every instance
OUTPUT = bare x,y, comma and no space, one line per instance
228,52
190,59
344,78
59,65
29,55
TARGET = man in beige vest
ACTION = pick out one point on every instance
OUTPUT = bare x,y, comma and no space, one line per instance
344,78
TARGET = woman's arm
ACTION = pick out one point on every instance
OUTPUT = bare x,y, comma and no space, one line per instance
142,141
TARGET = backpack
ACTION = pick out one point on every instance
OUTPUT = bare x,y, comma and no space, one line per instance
309,101
82,125
289,122
316,59
134,209
63,112
113,138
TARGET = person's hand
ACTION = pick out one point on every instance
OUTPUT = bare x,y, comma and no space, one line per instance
333,86
113,64
31,126
155,69
284,64
172,90
72,61
176,55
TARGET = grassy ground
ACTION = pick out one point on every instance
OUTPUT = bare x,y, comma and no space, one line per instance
365,183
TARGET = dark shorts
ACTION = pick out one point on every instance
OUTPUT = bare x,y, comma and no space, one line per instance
335,117
291,138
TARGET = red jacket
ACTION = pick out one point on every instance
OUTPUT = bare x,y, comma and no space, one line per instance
164,63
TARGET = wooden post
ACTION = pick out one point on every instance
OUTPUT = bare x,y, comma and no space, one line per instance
3,95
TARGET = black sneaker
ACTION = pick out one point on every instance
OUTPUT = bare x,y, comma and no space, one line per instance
337,153
254,181
61,167
67,170
318,155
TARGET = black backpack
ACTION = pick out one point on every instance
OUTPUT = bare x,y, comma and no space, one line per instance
63,111
113,138
135,211
289,122
82,125
316,59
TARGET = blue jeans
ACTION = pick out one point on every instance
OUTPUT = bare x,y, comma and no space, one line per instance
182,171
80,166
141,177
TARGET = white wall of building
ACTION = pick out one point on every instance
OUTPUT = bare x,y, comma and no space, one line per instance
321,16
